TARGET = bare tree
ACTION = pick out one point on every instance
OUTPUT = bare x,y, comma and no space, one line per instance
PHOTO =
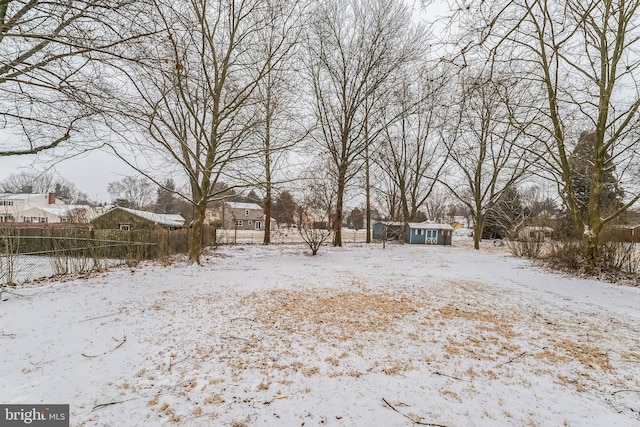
387,195
354,47
194,93
486,161
28,182
585,56
135,192
412,153
437,205
50,54
35,182
313,219
280,125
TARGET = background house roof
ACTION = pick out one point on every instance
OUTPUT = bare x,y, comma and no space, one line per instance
18,196
239,205
63,210
25,196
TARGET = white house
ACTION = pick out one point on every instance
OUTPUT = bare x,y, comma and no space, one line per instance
59,214
42,208
13,206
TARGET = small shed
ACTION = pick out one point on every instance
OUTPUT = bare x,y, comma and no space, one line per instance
428,233
126,219
386,230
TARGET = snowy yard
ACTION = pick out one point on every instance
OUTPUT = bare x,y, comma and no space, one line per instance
356,336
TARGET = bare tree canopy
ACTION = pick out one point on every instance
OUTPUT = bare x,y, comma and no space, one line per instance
582,59
33,182
488,151
354,47
50,56
191,99
412,153
135,192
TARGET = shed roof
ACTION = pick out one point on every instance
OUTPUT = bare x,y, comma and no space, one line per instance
429,226
388,223
171,220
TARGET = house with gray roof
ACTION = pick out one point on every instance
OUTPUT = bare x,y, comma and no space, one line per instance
241,216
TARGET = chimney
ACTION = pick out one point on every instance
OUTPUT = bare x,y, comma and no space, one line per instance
52,198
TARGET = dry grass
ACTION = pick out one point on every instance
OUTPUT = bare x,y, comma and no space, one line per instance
329,312
467,325
287,337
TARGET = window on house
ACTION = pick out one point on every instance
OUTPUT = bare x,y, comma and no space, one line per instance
125,227
419,232
246,212
238,223
43,219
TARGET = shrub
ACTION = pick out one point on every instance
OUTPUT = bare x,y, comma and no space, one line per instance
526,247
616,256
565,256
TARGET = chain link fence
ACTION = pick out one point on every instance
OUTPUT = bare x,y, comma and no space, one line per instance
31,254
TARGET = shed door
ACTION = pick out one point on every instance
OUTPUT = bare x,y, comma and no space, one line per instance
445,237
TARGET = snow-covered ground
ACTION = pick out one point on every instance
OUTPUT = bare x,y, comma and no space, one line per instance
356,336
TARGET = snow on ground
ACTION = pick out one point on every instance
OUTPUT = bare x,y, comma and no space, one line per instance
356,336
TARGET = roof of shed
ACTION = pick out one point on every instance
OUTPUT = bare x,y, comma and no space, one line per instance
171,220
429,226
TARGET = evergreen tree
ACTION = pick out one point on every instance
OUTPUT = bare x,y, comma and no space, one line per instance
284,209
506,215
355,219
166,201
581,163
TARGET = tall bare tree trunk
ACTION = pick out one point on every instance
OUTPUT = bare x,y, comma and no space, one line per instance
367,192
197,230
337,220
267,198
